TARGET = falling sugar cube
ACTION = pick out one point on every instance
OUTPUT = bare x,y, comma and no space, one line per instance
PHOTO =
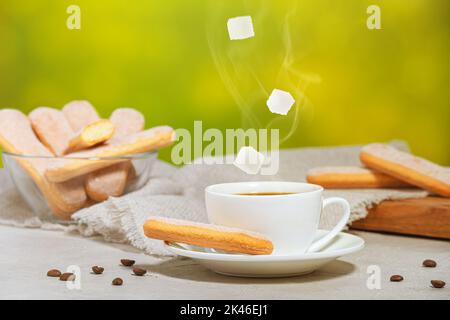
240,28
249,160
280,102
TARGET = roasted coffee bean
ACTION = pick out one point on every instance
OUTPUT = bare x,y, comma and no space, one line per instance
429,263
117,282
127,262
67,276
53,273
438,283
396,278
139,271
97,269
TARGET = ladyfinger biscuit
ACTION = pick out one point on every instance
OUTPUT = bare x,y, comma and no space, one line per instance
111,181
91,135
352,177
145,141
79,114
127,121
52,128
108,182
407,167
207,236
17,136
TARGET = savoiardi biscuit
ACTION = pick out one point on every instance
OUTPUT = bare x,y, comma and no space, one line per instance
17,136
407,167
207,235
127,121
80,113
350,177
52,129
92,134
86,124
108,182
74,165
112,181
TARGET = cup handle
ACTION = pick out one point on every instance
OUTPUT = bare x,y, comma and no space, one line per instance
322,242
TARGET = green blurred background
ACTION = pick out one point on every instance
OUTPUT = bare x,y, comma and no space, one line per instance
173,61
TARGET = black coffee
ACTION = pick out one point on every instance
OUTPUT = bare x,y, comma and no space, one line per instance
265,193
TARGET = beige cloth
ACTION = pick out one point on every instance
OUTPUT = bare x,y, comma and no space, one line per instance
178,193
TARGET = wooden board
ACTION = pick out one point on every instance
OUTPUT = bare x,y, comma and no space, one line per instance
427,217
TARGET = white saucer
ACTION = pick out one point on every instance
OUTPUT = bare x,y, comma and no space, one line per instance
241,265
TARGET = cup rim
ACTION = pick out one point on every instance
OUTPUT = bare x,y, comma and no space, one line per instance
208,189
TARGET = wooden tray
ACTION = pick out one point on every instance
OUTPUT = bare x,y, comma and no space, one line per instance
427,217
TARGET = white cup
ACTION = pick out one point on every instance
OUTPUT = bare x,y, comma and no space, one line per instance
289,220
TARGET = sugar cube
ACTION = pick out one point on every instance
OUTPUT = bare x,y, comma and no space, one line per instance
280,102
240,28
249,160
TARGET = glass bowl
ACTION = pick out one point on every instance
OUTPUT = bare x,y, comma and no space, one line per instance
56,187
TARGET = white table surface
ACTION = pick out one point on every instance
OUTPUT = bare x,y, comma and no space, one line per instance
27,254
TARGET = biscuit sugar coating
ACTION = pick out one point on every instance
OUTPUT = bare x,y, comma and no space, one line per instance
144,141
108,182
17,136
127,121
52,128
69,195
207,235
80,113
351,177
407,167
111,181
91,135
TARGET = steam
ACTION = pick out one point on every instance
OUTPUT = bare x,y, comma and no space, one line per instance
235,62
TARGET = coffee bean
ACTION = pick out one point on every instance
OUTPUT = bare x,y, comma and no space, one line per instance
53,273
97,269
127,262
139,272
429,263
396,278
438,283
117,282
67,276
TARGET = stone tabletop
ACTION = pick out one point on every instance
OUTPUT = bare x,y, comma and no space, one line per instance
27,255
